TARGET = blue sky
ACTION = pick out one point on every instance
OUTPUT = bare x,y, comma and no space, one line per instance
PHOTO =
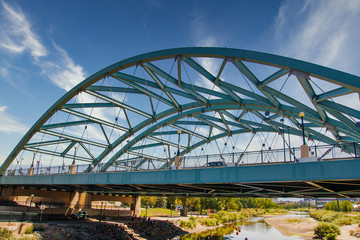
47,47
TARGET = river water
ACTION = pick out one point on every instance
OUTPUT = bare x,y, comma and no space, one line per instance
253,229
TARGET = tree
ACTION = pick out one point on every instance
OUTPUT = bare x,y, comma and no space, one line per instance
160,202
193,203
148,201
345,206
212,203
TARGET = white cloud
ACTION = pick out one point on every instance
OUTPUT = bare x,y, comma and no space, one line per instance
62,71
323,32
9,124
16,34
203,38
17,37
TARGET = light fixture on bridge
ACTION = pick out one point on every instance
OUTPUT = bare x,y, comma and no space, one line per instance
74,155
305,153
302,115
178,151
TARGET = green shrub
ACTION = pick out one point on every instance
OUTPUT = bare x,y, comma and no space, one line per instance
325,216
343,221
331,236
29,229
326,230
188,224
208,222
39,228
29,237
294,220
192,218
5,233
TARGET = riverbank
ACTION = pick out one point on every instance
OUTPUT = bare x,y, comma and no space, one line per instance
220,224
304,227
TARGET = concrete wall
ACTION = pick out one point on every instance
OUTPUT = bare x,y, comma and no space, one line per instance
71,201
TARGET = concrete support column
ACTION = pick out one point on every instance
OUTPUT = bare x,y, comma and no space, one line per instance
6,193
84,200
135,206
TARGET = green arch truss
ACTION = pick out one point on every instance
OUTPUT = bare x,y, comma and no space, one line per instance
132,110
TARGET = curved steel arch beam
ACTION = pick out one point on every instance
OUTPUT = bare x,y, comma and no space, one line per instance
293,131
346,80
194,108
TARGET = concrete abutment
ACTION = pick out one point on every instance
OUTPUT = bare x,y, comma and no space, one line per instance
67,202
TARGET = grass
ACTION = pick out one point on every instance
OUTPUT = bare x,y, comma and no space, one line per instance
294,220
339,219
29,229
6,234
190,224
221,217
152,212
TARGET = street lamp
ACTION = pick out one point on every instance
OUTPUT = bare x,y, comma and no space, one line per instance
305,153
283,136
178,152
302,115
31,199
147,206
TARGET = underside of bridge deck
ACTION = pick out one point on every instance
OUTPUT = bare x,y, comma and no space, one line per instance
315,179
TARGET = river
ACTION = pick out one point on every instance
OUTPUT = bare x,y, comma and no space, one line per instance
253,229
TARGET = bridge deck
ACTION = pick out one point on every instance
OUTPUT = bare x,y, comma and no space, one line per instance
338,178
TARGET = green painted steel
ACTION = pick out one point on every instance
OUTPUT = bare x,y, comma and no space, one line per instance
171,97
287,174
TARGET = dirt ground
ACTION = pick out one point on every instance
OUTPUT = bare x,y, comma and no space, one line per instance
303,227
345,232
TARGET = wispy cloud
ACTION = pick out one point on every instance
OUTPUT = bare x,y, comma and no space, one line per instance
18,37
203,37
9,124
16,34
323,32
62,70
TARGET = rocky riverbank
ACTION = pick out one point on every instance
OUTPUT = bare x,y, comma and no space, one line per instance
123,229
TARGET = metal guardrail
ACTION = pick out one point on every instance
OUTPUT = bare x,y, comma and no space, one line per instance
322,152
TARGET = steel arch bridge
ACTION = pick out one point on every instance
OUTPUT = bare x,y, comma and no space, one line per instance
199,100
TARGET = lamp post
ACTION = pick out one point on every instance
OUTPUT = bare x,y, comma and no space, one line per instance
31,199
283,135
302,115
305,153
178,151
146,209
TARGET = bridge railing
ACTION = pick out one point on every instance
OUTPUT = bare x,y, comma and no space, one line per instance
268,156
